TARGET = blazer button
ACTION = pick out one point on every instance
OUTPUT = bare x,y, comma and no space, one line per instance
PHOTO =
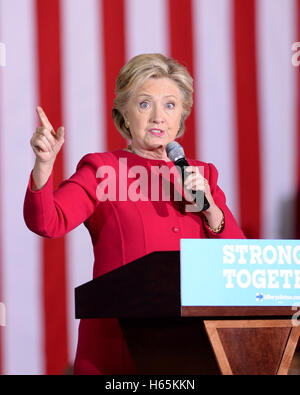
176,229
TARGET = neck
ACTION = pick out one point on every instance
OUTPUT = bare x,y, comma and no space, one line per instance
158,153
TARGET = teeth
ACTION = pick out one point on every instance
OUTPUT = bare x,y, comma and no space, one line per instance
156,131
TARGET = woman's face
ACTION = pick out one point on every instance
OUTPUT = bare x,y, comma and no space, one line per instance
154,112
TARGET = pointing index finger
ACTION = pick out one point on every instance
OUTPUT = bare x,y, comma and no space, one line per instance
43,118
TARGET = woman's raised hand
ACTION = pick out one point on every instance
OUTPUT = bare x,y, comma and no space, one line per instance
45,143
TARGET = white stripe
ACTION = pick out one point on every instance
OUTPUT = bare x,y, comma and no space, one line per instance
277,103
147,27
22,266
84,124
214,92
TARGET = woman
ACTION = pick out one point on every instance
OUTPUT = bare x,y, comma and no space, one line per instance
153,100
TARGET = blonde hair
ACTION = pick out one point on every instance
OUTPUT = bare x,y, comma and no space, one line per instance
139,69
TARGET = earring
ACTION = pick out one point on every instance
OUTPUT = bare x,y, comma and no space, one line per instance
127,123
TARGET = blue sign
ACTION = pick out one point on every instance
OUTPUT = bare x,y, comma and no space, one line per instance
233,272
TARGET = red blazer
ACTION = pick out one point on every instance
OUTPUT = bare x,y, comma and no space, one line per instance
121,231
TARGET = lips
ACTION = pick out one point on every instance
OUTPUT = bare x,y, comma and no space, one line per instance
157,132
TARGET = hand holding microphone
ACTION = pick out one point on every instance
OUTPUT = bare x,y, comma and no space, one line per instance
196,185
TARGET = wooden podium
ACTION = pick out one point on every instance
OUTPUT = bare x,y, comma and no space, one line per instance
167,338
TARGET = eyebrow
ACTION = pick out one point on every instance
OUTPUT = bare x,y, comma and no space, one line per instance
146,95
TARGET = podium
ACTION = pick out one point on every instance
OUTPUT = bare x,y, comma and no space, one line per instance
165,337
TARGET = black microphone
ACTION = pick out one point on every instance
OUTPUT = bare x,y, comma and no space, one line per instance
175,153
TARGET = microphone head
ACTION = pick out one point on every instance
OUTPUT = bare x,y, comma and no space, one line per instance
174,151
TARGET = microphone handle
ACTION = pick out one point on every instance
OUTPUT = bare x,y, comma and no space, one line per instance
181,163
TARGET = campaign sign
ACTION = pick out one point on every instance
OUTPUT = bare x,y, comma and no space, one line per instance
234,272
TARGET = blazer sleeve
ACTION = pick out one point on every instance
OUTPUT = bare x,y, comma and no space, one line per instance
52,214
231,229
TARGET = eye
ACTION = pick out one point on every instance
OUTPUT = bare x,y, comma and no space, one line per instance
144,105
170,105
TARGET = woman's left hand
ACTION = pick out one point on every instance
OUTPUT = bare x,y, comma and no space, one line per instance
195,181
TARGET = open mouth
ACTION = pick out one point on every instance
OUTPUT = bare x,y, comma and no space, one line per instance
157,132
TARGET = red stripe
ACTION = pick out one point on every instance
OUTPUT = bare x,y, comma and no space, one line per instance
247,117
113,33
182,49
54,256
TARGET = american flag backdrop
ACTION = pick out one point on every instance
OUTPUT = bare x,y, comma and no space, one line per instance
65,56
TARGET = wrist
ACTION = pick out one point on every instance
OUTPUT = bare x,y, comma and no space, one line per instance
40,174
214,218
212,211
44,165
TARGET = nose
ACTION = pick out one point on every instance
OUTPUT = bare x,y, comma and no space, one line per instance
157,115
